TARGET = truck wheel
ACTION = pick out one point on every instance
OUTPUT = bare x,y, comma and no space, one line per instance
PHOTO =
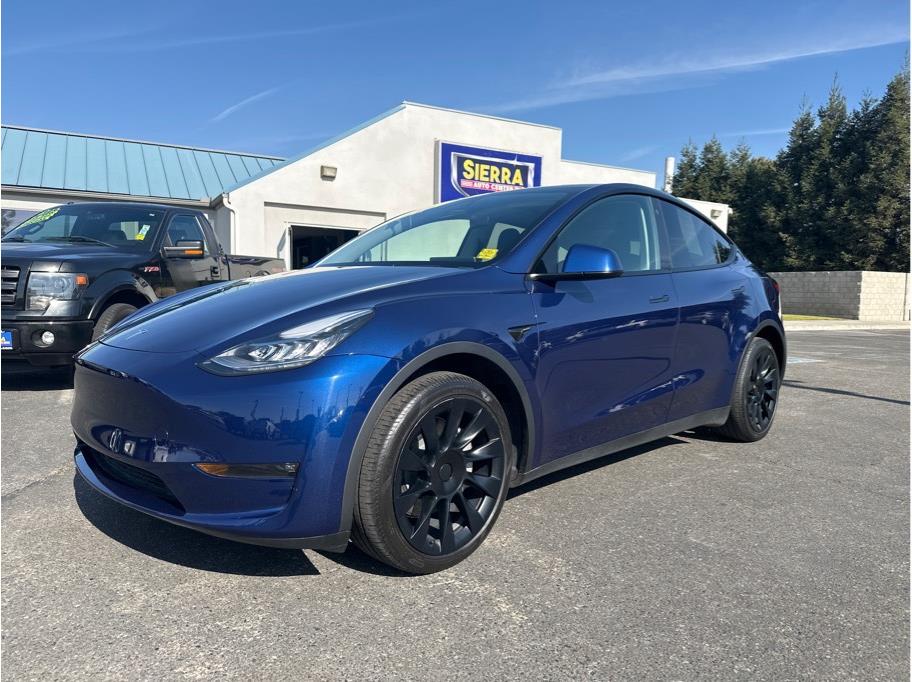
110,316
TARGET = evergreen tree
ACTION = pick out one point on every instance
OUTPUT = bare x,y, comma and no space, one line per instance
836,197
684,179
859,190
754,187
796,203
888,170
829,231
739,161
711,183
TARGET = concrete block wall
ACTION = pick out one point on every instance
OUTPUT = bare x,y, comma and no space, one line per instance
884,296
853,294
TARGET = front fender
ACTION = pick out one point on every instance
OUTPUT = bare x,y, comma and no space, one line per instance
113,282
408,367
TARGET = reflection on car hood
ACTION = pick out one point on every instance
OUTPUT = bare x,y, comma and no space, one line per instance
203,318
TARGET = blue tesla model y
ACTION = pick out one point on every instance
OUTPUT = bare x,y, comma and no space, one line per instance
393,392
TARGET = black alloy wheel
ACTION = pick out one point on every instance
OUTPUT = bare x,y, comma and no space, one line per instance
755,394
449,476
434,473
764,389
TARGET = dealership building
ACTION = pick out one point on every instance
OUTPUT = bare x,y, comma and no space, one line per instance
408,158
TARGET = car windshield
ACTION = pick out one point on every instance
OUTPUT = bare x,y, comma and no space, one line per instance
464,233
123,226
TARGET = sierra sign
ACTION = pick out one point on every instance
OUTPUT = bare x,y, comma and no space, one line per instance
466,171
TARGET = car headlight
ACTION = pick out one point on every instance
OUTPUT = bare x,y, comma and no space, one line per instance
44,287
294,347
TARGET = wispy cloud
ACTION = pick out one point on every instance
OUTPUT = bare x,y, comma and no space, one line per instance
206,40
78,42
734,62
756,133
225,113
638,153
674,73
124,41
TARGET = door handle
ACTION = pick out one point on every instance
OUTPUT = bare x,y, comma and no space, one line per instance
738,290
659,299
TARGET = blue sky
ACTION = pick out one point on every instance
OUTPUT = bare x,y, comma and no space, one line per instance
629,83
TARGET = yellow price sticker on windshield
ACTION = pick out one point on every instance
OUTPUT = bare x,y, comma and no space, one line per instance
46,214
486,254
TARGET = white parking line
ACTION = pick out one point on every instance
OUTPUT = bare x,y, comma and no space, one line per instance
800,361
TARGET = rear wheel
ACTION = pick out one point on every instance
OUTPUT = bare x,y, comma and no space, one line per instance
110,316
755,394
434,475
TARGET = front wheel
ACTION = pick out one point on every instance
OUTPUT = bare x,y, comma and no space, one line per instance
755,394
111,315
434,475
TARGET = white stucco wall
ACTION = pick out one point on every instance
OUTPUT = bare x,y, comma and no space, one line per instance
29,202
570,172
12,201
387,168
707,208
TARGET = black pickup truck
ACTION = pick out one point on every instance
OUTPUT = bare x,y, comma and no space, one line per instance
71,272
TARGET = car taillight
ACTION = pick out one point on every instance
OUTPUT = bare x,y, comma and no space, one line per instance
778,296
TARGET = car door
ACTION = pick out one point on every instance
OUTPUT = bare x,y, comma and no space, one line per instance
713,293
188,272
605,345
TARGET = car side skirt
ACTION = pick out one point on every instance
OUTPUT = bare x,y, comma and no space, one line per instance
715,417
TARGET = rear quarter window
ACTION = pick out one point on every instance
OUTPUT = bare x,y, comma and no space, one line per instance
693,242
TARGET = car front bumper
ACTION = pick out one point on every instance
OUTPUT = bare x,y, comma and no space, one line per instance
143,420
70,336
230,527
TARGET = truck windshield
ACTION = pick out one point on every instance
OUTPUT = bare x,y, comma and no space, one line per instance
120,226
464,233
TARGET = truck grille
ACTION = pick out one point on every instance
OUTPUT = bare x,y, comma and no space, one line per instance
10,278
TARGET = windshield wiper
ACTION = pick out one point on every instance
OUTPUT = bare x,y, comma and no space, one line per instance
16,238
76,238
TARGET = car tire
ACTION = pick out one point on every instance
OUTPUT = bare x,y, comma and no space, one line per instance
110,316
755,395
434,475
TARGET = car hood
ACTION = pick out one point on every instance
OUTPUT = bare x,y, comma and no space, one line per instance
68,254
250,308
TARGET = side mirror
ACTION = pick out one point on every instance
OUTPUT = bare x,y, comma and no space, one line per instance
585,262
189,248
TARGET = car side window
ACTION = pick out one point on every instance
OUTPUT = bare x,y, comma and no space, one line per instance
625,223
444,237
693,242
186,228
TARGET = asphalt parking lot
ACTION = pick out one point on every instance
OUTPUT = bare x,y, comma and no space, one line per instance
688,558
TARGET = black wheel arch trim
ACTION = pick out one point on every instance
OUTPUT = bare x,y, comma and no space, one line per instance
398,381
117,285
763,324
780,331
